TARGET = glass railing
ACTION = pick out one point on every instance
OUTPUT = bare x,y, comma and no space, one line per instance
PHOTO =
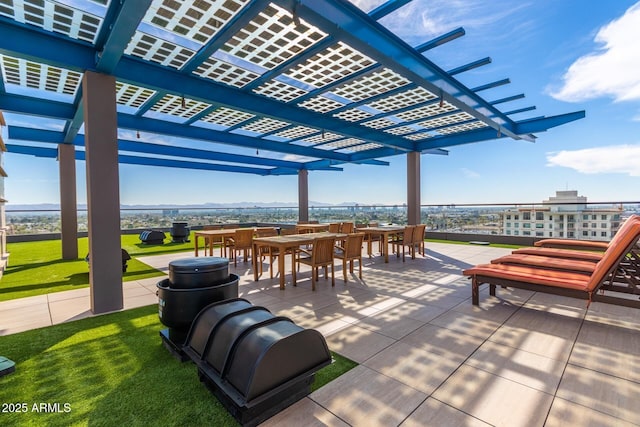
592,221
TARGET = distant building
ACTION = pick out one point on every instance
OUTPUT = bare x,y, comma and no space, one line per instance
565,215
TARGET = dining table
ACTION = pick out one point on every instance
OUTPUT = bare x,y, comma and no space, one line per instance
311,228
210,236
385,233
286,243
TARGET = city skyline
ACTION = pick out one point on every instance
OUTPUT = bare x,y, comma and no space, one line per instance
561,55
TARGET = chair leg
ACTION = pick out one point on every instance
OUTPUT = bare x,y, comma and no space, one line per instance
333,275
344,269
360,268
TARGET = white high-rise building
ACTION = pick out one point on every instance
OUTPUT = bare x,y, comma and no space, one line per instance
565,215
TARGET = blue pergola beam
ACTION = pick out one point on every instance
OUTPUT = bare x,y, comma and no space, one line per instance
491,85
470,66
122,24
524,128
150,161
73,126
439,41
520,110
21,104
507,99
543,124
387,8
54,137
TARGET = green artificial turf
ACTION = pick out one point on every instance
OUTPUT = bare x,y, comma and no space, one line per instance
110,370
37,268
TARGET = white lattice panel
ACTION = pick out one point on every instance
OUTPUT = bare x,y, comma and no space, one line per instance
272,37
353,115
462,128
34,75
402,130
370,85
425,111
320,104
402,100
323,137
380,123
364,147
132,96
446,120
333,63
197,20
296,132
224,116
280,91
163,52
265,125
223,72
173,105
54,16
418,136
343,143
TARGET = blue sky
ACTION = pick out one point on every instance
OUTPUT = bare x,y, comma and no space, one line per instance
565,56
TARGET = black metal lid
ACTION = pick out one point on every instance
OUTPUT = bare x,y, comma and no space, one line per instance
198,264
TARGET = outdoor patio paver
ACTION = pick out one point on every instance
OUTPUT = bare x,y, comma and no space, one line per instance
306,413
427,356
564,413
611,395
494,399
405,363
435,413
364,397
532,370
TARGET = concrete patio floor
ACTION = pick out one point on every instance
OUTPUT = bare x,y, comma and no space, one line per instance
427,356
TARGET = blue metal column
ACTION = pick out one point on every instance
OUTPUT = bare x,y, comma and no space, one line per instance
68,204
413,188
103,192
303,195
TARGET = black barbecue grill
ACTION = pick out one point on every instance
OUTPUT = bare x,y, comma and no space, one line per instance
255,363
193,284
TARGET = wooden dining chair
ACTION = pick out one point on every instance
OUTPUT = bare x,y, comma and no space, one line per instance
267,251
241,241
321,255
351,251
347,227
418,238
334,227
406,240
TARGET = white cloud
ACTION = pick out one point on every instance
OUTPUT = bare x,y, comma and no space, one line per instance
624,159
611,70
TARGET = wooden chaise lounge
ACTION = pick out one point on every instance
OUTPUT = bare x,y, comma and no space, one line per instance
569,282
560,257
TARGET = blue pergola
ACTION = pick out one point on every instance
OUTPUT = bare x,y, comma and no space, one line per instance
320,81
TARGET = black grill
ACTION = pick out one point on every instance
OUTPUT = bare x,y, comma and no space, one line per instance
180,232
193,284
255,363
152,237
